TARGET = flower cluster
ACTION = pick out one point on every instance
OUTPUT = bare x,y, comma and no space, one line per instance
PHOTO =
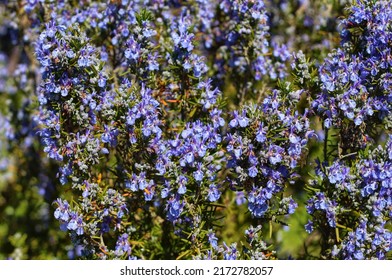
265,144
245,34
350,202
254,248
363,187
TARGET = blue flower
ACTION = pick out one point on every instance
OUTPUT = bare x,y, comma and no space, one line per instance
275,154
309,227
123,246
213,193
358,255
198,174
212,239
62,211
230,252
261,134
174,208
337,173
102,82
182,181
133,50
292,206
239,120
252,171
76,223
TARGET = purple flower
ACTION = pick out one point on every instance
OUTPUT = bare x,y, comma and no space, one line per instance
212,239
239,120
261,134
309,227
252,171
337,173
182,181
76,223
275,154
292,205
198,174
174,208
102,82
230,252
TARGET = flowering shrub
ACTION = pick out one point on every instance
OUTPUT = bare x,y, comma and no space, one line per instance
163,129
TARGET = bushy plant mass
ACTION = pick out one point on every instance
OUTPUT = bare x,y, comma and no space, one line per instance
169,129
